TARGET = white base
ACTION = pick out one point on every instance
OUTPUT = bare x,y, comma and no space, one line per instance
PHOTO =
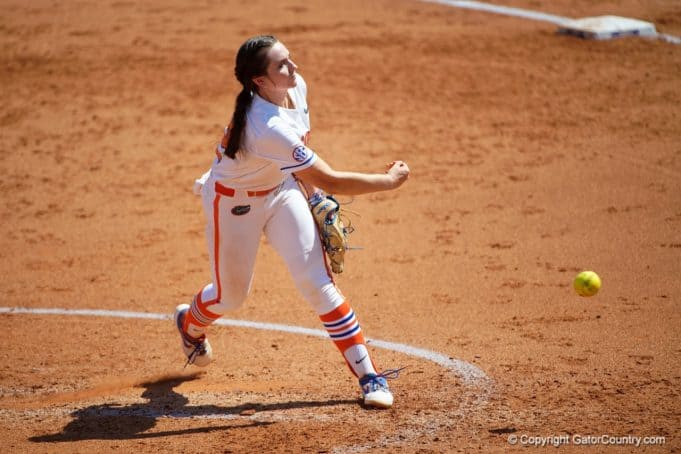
607,27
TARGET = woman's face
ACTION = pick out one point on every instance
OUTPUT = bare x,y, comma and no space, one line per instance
281,71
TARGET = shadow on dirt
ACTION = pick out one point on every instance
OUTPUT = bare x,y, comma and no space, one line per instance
115,422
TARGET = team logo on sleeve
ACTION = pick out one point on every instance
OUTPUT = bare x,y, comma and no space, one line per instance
300,153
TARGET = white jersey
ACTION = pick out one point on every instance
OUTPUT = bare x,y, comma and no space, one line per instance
273,146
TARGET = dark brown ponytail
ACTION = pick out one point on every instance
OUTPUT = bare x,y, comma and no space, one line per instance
251,61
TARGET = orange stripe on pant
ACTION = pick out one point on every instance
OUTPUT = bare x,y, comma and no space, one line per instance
216,242
198,314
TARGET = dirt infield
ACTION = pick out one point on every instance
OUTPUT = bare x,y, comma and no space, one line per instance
534,156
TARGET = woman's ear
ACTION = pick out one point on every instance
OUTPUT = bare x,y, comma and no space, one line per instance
259,81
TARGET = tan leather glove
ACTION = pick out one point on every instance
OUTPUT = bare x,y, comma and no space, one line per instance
334,234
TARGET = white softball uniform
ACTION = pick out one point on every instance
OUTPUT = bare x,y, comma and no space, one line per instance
255,193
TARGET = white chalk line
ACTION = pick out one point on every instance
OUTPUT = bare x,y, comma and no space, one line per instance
140,410
530,14
505,10
467,373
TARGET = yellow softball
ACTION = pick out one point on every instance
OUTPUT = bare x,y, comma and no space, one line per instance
587,283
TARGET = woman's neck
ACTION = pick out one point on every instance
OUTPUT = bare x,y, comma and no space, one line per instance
276,97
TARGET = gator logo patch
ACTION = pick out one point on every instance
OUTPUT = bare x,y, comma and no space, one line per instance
240,210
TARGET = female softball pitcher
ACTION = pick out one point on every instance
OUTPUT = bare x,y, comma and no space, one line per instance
251,188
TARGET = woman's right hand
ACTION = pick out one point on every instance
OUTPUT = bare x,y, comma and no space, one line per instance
398,172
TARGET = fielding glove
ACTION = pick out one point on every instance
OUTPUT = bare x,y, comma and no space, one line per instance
334,235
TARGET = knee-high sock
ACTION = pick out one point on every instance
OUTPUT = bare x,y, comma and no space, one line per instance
199,316
343,328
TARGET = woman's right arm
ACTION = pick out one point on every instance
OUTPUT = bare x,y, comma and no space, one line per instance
320,174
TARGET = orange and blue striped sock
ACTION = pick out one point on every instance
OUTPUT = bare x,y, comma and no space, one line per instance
199,317
344,330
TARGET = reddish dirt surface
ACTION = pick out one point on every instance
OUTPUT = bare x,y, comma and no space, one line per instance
534,156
